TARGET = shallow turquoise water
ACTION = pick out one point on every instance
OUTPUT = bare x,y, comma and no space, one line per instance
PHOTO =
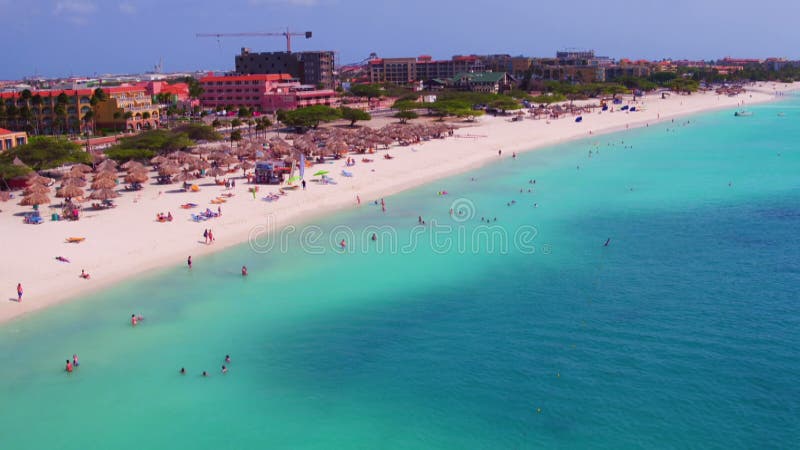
682,333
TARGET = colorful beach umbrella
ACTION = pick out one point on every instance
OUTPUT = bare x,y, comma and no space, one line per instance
321,173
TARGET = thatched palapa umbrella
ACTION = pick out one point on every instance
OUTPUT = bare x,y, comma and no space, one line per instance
132,165
136,177
81,168
167,170
35,178
104,194
35,199
184,176
216,172
104,183
107,166
79,182
69,192
36,189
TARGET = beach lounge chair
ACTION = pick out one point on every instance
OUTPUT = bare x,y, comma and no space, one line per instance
75,240
347,174
34,218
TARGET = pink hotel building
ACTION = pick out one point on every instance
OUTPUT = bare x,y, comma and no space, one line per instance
265,93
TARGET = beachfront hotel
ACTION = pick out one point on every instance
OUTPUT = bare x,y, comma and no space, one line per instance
46,111
265,93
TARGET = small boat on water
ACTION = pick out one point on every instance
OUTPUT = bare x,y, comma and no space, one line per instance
743,113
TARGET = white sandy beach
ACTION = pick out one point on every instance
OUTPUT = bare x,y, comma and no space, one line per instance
127,240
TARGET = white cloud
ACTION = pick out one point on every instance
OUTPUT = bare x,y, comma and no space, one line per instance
127,8
74,7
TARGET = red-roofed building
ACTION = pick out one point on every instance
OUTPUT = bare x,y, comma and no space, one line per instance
43,113
10,139
265,93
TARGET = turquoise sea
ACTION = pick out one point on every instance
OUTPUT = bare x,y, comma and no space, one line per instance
683,332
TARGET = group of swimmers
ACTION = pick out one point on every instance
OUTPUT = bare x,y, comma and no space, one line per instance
224,369
71,365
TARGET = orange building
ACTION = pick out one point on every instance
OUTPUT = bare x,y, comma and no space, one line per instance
11,139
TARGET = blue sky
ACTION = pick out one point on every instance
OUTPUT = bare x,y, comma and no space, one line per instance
85,37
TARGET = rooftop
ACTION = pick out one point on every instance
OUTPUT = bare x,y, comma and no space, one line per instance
267,77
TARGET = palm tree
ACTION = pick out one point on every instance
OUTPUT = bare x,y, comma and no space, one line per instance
61,110
98,96
36,101
87,119
117,117
128,116
11,113
25,114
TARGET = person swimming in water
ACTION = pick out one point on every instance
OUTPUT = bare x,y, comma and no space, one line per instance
183,371
69,367
205,374
374,237
228,359
224,369
244,271
608,241
75,362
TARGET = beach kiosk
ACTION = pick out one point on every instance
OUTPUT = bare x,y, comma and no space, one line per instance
267,173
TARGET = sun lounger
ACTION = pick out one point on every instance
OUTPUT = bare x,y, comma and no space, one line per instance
347,174
75,240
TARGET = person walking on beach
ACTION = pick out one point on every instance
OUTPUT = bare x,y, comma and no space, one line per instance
205,235
19,292
189,261
304,184
358,199
210,237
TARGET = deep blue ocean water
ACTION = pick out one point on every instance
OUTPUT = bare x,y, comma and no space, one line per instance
526,333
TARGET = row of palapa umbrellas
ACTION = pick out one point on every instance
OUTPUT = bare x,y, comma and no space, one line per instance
73,181
332,141
183,166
